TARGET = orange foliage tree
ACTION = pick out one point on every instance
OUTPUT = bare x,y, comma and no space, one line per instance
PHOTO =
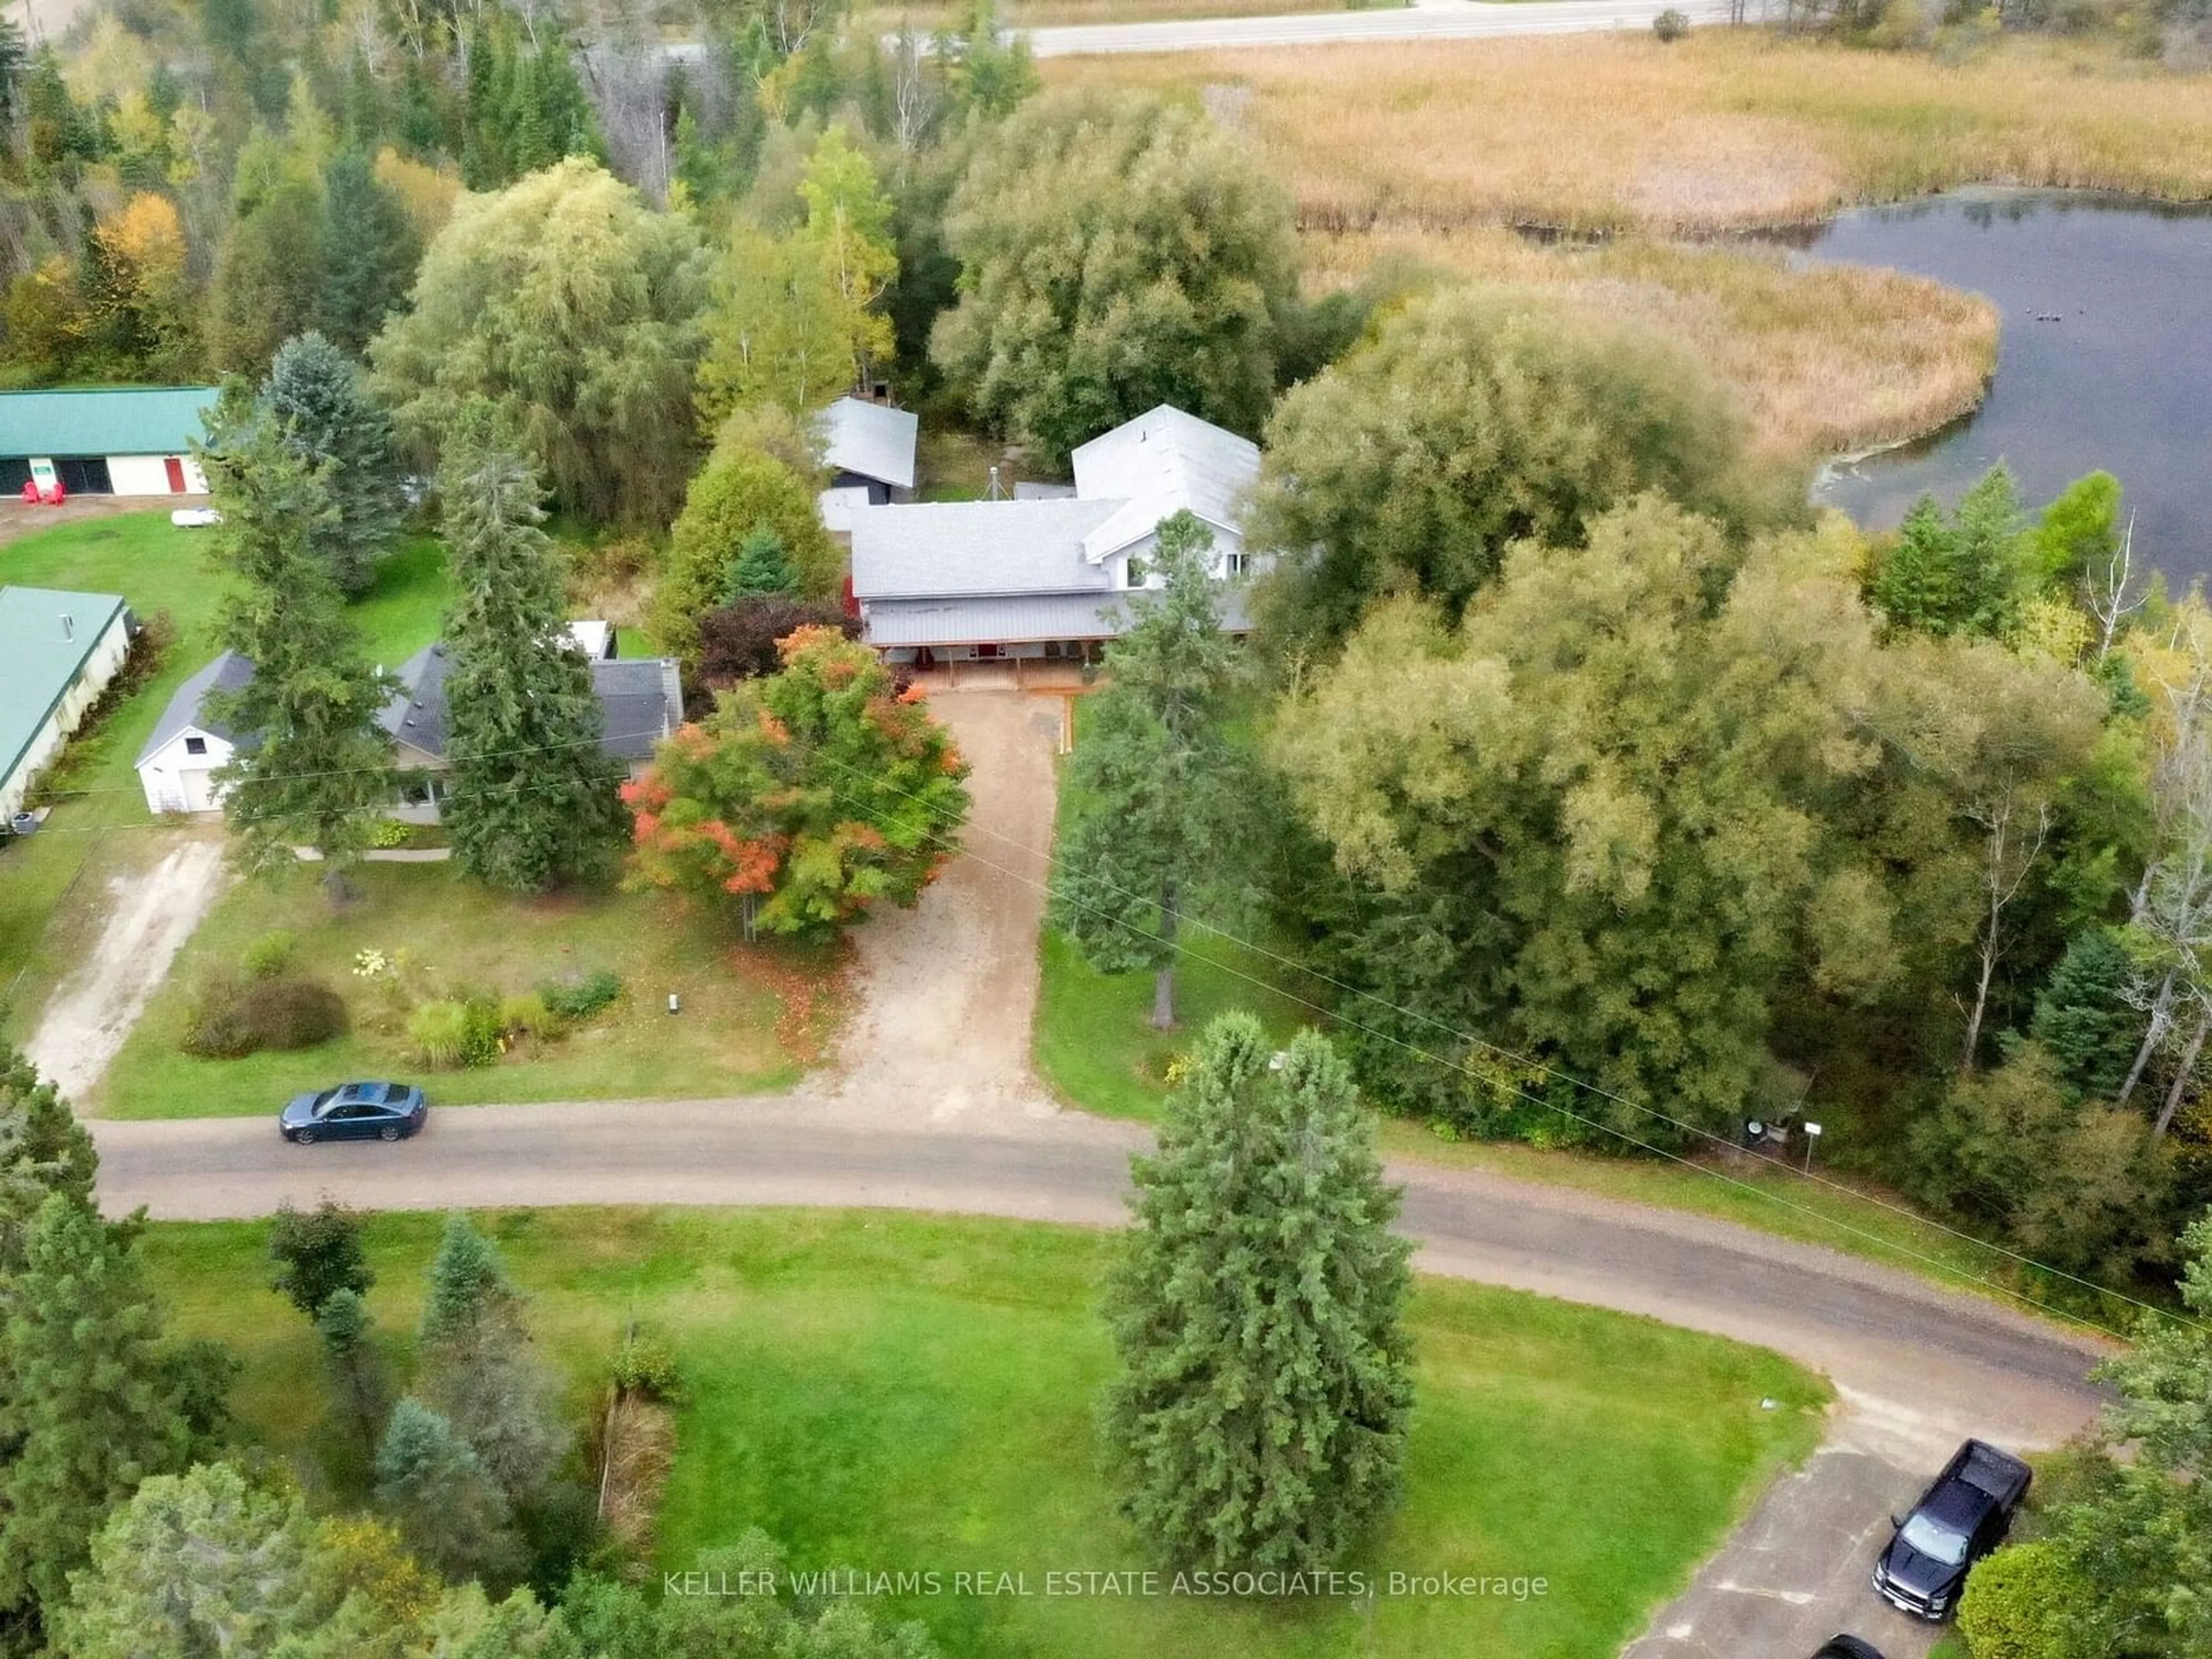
807,796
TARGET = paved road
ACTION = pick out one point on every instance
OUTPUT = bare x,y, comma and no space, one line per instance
1454,19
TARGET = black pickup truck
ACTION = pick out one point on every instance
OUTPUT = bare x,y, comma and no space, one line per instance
1958,1520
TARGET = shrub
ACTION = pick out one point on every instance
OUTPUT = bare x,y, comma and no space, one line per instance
440,1032
2017,1600
286,1014
390,833
268,955
525,1015
1670,25
580,997
647,1368
215,1026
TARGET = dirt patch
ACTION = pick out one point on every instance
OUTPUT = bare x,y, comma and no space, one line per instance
19,519
814,996
946,990
149,916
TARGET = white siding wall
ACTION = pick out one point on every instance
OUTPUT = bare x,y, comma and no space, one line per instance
1147,548
148,475
99,668
176,780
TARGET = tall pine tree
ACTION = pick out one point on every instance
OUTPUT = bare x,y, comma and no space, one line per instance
1161,801
315,770
533,800
1259,1420
314,393
44,1149
92,1401
371,252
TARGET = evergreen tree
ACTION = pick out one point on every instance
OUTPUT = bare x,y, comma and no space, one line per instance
533,800
317,772
1161,801
92,1402
759,567
313,390
44,1149
1917,585
1259,1420
446,1505
370,256
2084,1017
268,283
477,1369
318,1253
1960,575
199,1563
357,1391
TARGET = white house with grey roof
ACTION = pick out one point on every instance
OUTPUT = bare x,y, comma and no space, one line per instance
642,699
1048,575
59,650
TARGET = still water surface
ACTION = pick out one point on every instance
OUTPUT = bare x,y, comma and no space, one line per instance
2105,359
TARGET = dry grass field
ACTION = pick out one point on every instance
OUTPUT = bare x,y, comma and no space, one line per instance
1825,360
1428,152
1724,132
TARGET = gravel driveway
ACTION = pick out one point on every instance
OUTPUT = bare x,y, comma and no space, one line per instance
149,914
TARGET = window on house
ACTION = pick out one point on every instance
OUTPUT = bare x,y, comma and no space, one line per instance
1236,564
195,745
1138,575
987,651
1052,648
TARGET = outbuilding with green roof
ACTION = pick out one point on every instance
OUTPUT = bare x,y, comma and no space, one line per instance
119,440
59,650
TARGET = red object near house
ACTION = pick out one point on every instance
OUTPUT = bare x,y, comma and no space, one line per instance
31,491
852,604
56,496
176,470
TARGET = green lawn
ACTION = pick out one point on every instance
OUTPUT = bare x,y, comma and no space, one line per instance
891,1392
90,835
463,936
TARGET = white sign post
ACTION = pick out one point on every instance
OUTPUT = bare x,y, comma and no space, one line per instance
1811,1137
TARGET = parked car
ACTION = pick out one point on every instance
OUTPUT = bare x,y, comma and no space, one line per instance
1958,1520
1847,1647
355,1111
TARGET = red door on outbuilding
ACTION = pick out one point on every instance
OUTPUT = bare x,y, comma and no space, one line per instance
176,474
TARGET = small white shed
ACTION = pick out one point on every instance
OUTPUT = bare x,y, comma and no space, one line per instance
177,767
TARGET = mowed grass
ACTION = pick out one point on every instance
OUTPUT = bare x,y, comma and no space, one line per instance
892,1393
97,832
1726,130
745,1014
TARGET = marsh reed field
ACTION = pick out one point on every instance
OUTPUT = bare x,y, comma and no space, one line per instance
1432,153
1723,131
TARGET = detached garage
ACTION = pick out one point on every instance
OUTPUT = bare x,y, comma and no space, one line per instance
130,441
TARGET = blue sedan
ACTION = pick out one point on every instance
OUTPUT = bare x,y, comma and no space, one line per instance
355,1111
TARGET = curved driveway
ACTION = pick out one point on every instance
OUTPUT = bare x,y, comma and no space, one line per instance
1920,1366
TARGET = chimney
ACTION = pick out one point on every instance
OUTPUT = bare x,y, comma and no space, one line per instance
68,626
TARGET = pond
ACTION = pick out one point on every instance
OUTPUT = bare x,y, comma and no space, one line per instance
2105,358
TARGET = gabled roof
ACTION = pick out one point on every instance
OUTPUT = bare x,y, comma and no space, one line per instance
946,548
186,711
40,656
123,420
870,440
642,699
1157,465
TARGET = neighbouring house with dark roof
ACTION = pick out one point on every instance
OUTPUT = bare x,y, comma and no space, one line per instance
125,441
642,699
1048,575
59,650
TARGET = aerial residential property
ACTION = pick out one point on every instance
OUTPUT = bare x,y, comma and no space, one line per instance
1047,576
1105,829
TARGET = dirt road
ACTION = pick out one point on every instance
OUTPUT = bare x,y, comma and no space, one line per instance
148,917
